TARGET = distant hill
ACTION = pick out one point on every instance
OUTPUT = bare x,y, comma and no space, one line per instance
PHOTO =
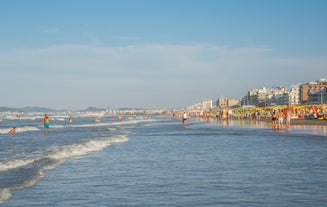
4,109
47,110
27,109
38,109
122,109
94,109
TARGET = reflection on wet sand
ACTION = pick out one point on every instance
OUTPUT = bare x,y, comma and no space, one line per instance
304,125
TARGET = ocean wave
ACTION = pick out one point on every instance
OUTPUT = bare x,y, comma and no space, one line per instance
77,150
5,194
62,153
55,159
127,122
19,129
58,126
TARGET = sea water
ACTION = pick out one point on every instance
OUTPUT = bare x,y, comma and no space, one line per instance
158,161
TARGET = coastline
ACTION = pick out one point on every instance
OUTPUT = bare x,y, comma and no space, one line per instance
310,122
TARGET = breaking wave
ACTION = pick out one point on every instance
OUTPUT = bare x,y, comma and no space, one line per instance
19,129
53,160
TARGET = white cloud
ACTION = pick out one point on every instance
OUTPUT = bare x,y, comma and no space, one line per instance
149,75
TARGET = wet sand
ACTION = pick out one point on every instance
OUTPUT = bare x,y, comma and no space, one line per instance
304,122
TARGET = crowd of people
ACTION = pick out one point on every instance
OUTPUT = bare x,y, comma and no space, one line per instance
280,118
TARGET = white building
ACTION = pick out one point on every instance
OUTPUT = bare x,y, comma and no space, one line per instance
266,97
294,95
278,96
207,104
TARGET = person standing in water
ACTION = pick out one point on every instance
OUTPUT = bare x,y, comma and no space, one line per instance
46,123
288,118
184,118
274,119
280,116
120,118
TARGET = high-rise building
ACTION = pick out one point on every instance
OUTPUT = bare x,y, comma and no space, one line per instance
317,97
266,97
294,95
311,87
207,104
277,96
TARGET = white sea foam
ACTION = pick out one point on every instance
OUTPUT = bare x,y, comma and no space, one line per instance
19,129
59,119
127,122
4,194
26,128
59,156
13,164
77,150
62,153
58,126
5,130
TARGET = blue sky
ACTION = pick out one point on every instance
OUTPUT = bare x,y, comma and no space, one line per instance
150,53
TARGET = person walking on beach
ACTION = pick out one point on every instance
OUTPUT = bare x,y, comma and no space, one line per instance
13,130
230,114
184,117
273,119
46,123
280,116
288,118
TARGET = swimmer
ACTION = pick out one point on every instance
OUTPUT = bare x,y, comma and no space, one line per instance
13,130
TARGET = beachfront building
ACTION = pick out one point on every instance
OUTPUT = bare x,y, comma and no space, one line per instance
266,97
206,104
277,96
233,102
222,102
263,96
257,97
294,95
227,102
317,96
252,97
245,101
194,107
312,88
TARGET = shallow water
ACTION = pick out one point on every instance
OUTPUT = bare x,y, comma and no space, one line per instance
160,162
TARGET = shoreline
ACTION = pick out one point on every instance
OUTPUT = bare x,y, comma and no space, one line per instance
310,122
